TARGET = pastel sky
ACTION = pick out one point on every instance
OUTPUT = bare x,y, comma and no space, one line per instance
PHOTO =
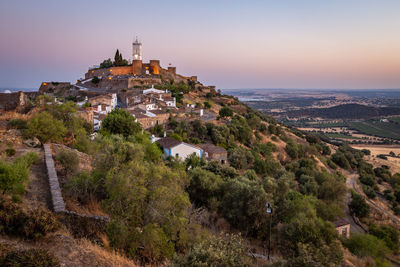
227,43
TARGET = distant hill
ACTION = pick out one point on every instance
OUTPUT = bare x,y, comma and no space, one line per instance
346,111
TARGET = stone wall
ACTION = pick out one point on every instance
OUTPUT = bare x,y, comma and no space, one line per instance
55,190
81,225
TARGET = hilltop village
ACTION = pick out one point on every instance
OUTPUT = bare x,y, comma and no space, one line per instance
137,165
152,94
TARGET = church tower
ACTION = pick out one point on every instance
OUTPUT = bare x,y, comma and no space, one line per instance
137,65
137,50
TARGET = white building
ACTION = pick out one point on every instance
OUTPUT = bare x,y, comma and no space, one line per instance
178,149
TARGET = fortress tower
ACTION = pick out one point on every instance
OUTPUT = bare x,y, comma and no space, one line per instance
137,64
137,50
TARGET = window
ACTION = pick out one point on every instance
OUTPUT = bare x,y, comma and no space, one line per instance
344,231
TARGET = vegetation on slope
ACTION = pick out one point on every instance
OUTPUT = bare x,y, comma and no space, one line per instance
168,210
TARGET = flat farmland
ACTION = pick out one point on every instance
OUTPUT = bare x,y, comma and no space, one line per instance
392,162
379,149
377,128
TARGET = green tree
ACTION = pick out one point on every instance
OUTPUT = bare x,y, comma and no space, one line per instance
364,245
107,63
117,58
46,128
358,206
205,188
386,233
119,121
225,112
243,205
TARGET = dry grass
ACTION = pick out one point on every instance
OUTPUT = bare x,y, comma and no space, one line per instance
379,149
13,115
93,207
352,260
109,256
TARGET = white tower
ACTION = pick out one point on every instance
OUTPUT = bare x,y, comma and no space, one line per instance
137,50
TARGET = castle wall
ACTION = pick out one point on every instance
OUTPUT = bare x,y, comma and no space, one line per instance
137,67
115,71
132,82
113,83
155,67
172,70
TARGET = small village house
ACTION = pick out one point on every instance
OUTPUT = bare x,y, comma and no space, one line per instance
213,152
178,149
342,227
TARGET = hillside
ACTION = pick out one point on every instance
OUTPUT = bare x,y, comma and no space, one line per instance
194,211
347,111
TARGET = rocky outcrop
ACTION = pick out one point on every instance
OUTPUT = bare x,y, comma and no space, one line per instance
32,142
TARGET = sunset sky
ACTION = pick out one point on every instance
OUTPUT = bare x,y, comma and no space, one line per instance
230,44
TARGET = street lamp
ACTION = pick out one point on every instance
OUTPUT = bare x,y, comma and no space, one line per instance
269,211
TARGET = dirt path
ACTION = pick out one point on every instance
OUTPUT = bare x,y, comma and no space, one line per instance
352,184
38,192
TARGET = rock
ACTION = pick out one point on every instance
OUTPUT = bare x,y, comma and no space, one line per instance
32,142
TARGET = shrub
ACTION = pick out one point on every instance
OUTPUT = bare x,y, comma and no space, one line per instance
32,224
226,250
358,206
120,121
95,80
46,128
13,175
382,156
389,195
225,112
10,151
369,191
84,186
68,160
364,245
17,124
16,198
30,257
386,233
205,188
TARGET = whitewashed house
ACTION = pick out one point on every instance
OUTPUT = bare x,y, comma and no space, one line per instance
178,149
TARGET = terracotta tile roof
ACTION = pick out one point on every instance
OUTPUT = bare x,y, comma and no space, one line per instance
168,142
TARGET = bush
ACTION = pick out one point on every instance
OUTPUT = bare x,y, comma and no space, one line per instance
226,250
205,188
84,187
17,124
95,80
369,191
386,233
10,151
46,128
14,175
120,121
364,245
32,224
30,257
225,112
358,206
382,156
68,160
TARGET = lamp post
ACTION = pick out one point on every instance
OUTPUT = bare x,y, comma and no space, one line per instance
269,211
